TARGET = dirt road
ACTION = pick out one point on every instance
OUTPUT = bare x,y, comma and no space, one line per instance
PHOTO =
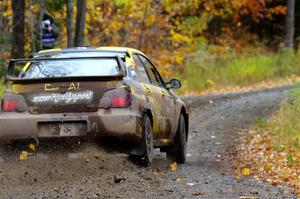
97,169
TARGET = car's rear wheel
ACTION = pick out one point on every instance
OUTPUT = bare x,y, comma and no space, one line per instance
178,152
147,140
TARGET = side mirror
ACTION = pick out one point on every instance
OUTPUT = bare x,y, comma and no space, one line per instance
173,83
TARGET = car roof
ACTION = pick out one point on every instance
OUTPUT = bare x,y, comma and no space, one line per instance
87,49
115,48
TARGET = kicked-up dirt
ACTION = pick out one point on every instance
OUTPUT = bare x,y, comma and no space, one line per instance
101,169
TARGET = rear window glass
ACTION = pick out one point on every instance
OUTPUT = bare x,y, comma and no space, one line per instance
70,68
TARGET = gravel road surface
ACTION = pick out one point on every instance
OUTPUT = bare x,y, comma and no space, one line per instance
100,169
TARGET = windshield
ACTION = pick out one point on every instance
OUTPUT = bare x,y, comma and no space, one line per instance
70,68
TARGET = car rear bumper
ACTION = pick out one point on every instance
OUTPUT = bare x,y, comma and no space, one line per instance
121,123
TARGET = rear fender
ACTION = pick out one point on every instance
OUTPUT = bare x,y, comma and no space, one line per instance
139,149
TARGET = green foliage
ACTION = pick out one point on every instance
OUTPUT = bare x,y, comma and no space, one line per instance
4,48
2,89
290,159
2,68
194,25
55,5
122,4
209,69
259,121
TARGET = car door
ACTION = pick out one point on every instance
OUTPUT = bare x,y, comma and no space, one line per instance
152,95
164,98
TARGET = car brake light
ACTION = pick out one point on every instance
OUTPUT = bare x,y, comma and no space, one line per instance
9,105
116,98
119,102
13,102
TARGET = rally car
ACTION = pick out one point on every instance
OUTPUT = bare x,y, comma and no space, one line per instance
105,91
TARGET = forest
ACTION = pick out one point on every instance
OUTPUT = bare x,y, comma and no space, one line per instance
209,44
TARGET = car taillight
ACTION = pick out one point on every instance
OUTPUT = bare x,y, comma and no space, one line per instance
13,102
9,105
119,102
116,98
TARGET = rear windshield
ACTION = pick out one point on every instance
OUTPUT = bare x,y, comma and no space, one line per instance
70,68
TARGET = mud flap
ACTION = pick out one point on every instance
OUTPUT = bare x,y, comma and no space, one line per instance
139,149
172,148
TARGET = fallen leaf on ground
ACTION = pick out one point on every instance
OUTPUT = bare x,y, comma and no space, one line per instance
157,170
173,166
24,155
246,171
274,183
197,193
268,160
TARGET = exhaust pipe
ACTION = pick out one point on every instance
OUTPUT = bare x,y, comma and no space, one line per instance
33,140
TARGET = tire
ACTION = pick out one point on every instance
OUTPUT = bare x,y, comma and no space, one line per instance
180,142
147,140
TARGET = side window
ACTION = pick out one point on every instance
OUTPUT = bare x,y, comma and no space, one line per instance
140,70
153,75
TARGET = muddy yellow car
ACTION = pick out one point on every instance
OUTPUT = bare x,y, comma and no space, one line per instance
106,91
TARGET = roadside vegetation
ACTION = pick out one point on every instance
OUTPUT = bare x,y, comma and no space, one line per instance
272,152
215,69
2,89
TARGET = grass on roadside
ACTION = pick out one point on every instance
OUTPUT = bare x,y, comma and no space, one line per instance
209,70
286,123
272,153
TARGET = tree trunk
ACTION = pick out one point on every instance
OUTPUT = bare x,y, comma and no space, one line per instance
290,24
18,34
32,27
80,22
70,25
39,30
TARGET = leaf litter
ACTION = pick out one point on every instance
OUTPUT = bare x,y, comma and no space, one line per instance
259,158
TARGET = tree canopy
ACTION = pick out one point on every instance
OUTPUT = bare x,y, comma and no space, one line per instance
165,29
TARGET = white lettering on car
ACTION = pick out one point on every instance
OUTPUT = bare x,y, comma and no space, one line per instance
67,98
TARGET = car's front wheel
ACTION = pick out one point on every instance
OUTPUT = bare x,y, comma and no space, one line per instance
180,141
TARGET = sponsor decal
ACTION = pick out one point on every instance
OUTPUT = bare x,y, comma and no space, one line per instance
49,87
64,98
72,86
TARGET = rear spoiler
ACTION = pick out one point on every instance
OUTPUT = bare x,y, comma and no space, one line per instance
11,69
75,50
